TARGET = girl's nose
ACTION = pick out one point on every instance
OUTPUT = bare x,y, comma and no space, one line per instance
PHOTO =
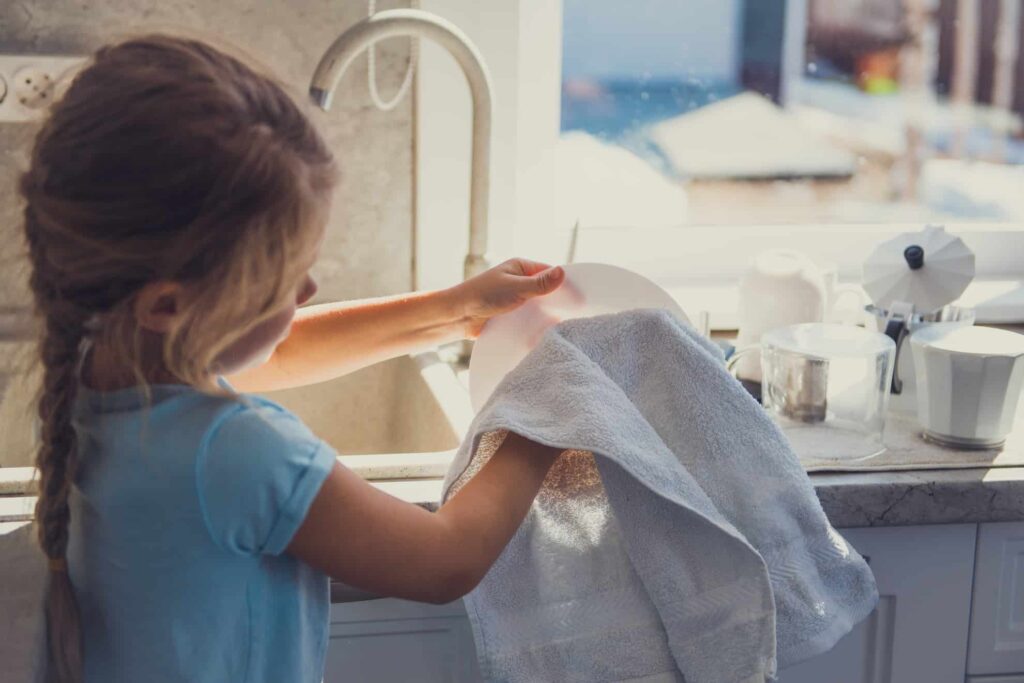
307,291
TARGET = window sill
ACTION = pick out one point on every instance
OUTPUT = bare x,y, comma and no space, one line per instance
997,302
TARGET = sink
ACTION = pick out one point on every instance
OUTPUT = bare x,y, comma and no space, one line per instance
400,419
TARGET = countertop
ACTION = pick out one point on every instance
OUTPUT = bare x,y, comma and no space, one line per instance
860,499
863,499
972,494
850,499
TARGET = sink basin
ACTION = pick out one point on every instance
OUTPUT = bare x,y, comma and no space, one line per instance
400,419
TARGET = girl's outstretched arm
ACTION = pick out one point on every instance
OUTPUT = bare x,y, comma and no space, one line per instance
375,542
330,340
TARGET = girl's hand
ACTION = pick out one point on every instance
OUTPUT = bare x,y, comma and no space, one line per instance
501,289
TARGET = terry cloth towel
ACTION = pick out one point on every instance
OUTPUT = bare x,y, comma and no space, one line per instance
677,535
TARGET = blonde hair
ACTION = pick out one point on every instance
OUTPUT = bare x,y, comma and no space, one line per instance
165,159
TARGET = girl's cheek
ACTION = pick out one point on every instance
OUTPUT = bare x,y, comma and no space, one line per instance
307,292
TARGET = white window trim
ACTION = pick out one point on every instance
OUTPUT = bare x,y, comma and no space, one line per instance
701,265
720,254
521,43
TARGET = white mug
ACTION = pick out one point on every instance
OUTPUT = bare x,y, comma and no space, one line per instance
969,381
784,287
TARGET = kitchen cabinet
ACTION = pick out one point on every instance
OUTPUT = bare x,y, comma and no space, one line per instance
919,630
997,612
393,641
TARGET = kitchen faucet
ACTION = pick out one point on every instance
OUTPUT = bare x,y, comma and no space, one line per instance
412,22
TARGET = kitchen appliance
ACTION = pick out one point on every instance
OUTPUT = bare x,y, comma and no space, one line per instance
827,385
903,400
969,382
911,280
588,289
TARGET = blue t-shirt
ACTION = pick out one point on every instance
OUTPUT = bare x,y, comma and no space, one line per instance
181,513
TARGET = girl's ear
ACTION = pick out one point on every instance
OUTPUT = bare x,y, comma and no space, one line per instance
158,305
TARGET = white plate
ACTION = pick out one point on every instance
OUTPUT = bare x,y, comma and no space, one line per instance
589,289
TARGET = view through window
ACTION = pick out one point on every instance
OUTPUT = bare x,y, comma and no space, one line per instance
709,112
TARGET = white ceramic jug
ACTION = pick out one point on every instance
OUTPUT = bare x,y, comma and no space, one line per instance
783,287
969,380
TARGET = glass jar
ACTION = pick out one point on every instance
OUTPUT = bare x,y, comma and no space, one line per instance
827,386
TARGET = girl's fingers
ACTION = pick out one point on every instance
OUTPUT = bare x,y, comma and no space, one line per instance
528,267
548,280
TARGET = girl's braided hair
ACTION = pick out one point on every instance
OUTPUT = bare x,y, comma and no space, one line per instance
165,159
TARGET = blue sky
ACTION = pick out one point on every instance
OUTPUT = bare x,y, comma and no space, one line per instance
619,39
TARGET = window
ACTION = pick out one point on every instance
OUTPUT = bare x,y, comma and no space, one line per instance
692,134
885,114
826,126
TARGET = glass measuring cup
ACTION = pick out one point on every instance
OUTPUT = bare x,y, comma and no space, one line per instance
827,386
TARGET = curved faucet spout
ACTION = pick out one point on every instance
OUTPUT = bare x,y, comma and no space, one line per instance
411,22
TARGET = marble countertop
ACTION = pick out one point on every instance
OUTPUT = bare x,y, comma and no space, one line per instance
862,499
850,499
911,497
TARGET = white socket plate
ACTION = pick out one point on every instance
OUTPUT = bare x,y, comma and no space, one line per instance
58,68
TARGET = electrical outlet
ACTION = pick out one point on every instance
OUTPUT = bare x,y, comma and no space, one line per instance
33,87
29,83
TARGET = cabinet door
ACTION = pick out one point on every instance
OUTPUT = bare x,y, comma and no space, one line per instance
997,615
396,641
919,630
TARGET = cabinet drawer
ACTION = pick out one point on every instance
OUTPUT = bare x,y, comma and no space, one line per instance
395,641
391,609
918,633
997,610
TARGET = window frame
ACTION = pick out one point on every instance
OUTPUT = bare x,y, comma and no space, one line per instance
518,39
521,44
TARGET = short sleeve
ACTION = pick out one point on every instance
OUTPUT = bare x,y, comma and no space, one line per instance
257,473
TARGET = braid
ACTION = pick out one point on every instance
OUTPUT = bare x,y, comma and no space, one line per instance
64,329
164,161
56,459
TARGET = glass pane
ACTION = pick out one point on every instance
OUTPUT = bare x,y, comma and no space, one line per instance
718,112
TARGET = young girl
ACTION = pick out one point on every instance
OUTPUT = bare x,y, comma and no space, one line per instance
174,204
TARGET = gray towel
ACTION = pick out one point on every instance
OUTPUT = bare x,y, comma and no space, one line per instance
677,536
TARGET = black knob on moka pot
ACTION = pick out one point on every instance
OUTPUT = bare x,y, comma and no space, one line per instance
914,256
